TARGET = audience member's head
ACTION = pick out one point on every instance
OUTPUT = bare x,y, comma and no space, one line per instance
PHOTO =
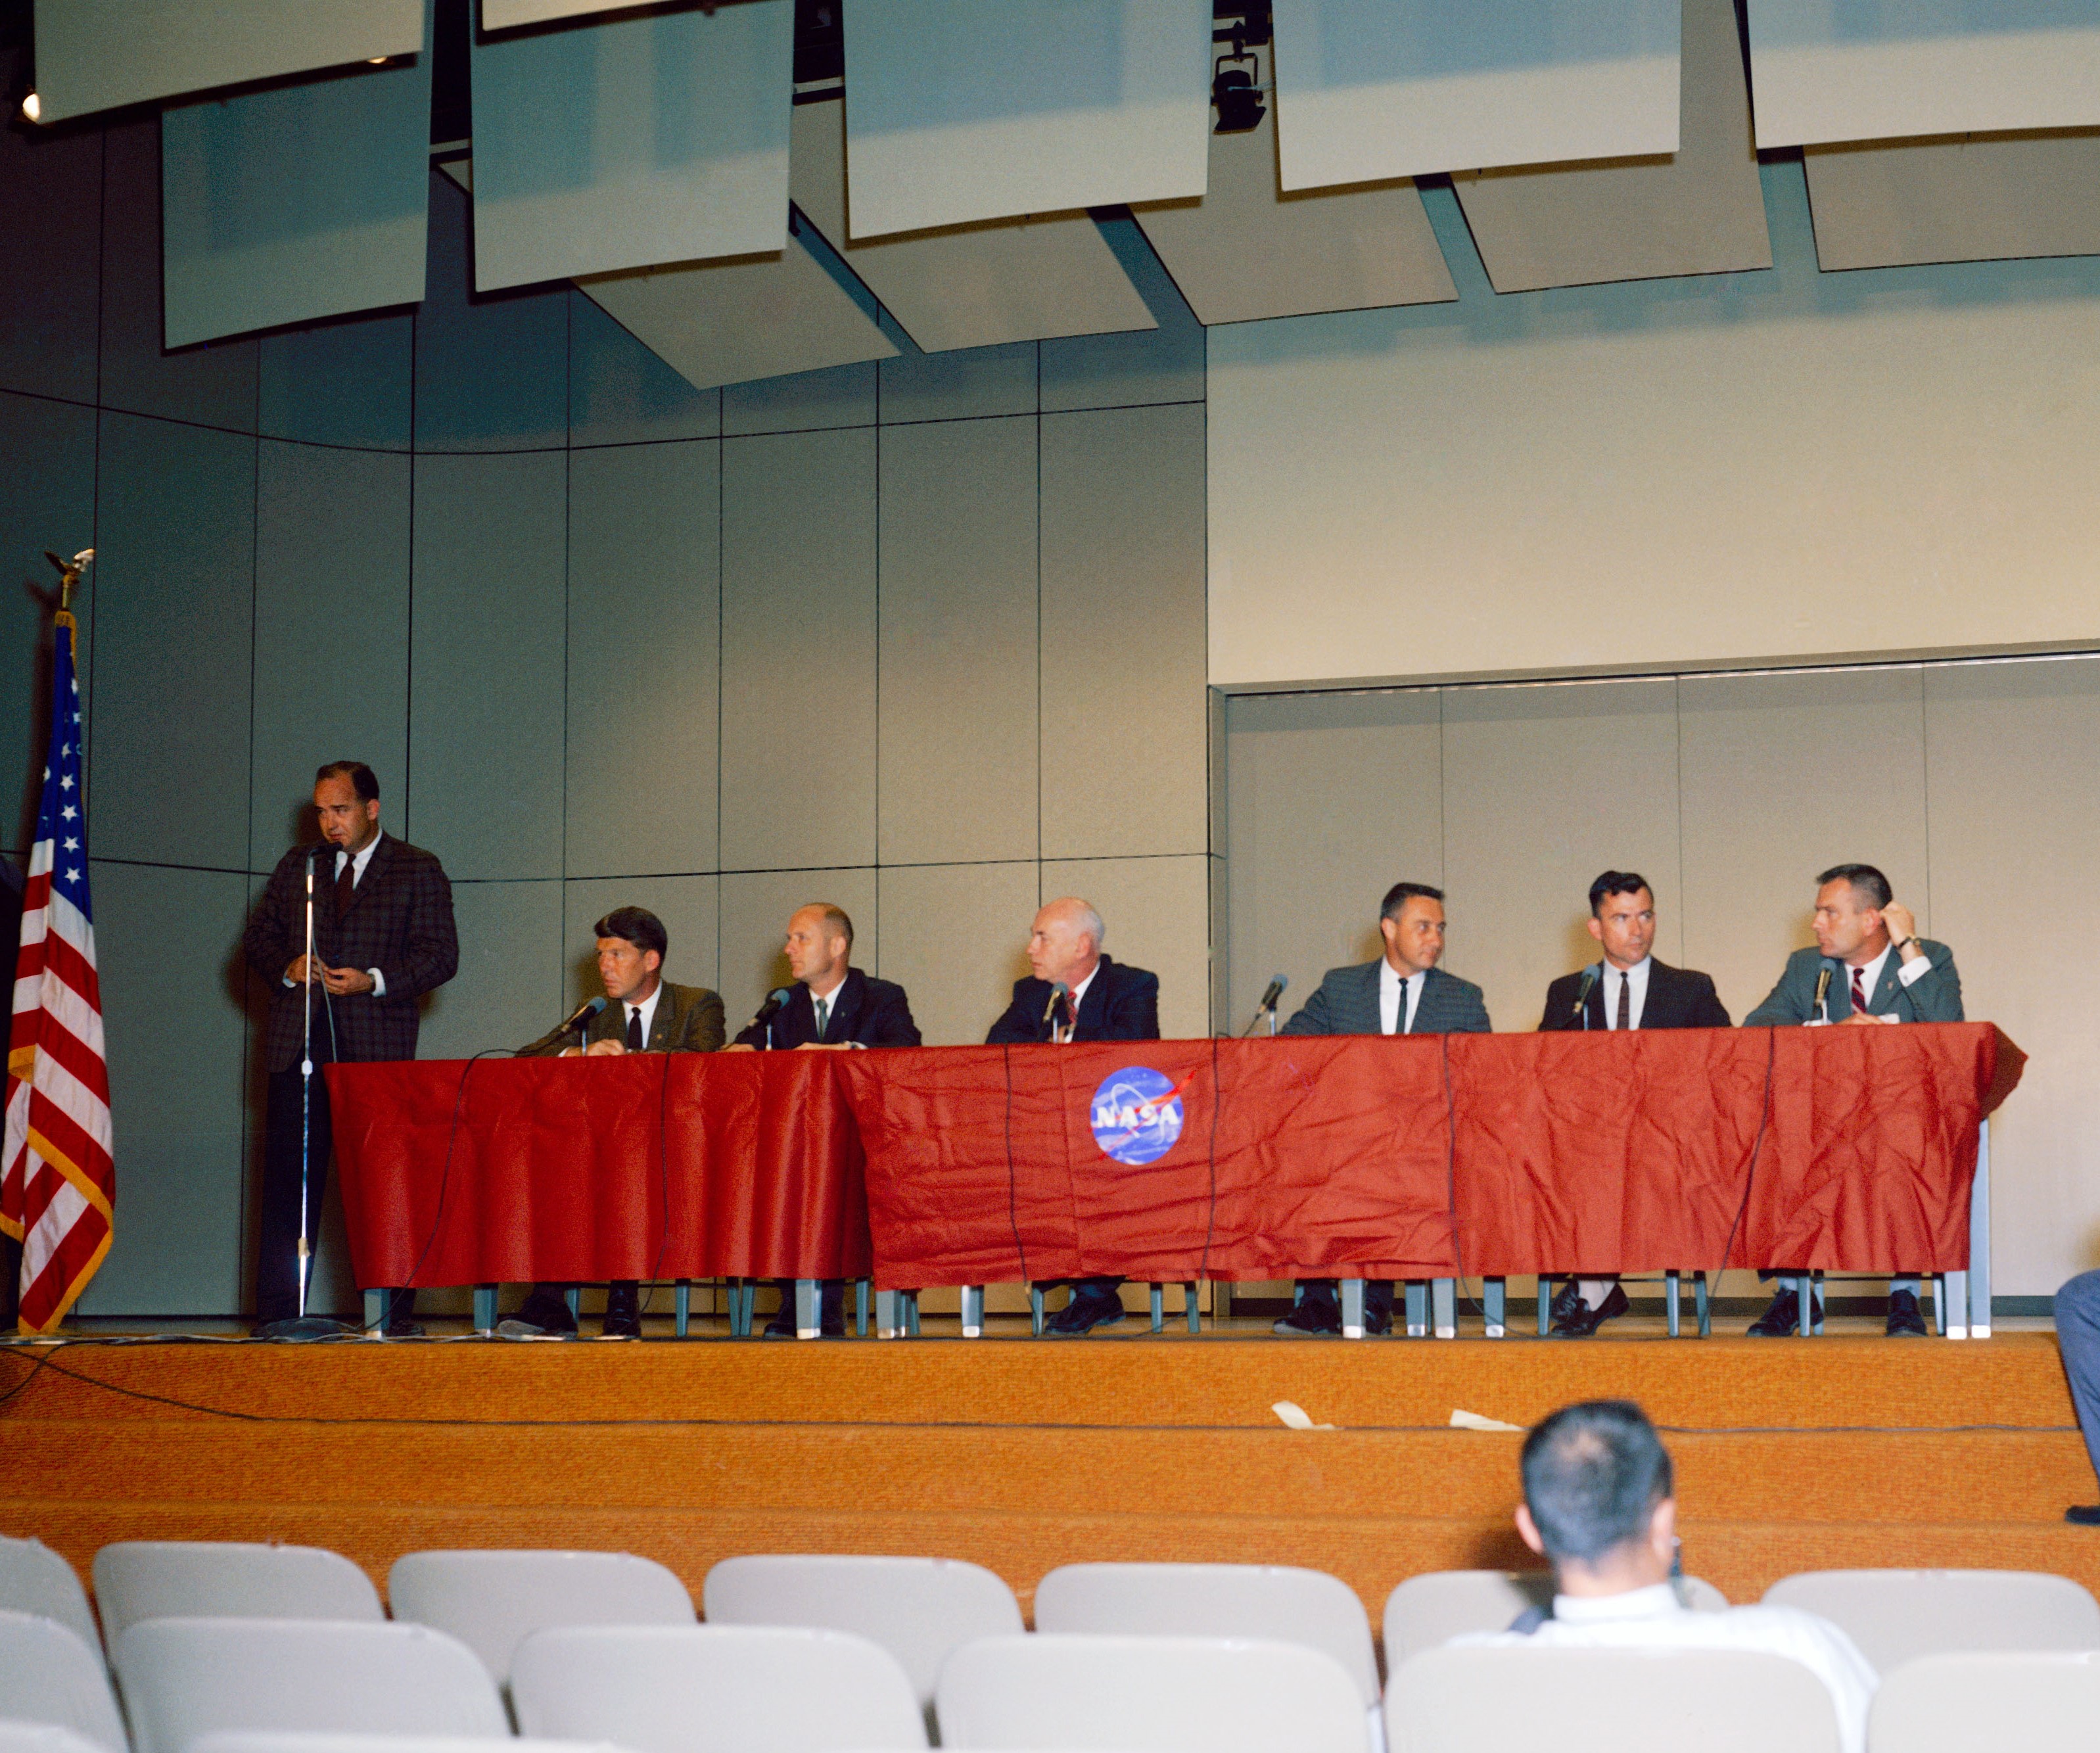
1598,1498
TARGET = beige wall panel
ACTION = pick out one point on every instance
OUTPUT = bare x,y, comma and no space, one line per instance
754,906
956,936
1700,211
970,286
1246,250
958,734
798,651
1158,915
2011,751
1124,709
1965,198
1544,787
690,907
1331,800
754,316
644,631
1784,776
511,987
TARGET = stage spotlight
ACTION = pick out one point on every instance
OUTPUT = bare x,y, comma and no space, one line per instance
1237,99
31,106
1236,75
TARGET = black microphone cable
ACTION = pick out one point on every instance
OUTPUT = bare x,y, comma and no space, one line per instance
1012,1197
662,1181
1749,1177
444,1177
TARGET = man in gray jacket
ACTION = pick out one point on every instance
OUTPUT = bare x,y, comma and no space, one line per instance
1403,992
1869,967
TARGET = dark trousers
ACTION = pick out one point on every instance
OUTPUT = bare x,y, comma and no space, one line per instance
1378,1295
276,1266
2078,1339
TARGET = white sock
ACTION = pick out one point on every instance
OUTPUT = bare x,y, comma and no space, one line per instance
1594,1291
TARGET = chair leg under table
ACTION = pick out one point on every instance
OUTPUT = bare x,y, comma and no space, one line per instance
1416,1304
484,1309
1545,1304
1035,1310
1444,1307
1353,1308
972,1296
681,1306
860,1308
1494,1305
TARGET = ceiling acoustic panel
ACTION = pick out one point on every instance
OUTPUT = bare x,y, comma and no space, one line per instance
966,110
1699,212
1247,250
1965,198
1826,70
507,14
732,322
296,202
659,137
974,285
95,55
1371,90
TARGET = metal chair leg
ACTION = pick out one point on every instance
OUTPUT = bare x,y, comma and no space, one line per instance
1035,1310
484,1308
1353,1308
973,1299
861,1287
1443,1308
808,1308
1188,1302
573,1296
1418,1309
887,1318
1670,1304
1545,1304
681,1306
1159,1308
1700,1302
1494,1304
911,1313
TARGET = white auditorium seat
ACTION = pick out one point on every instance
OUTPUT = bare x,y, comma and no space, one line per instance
714,1688
2046,1701
226,1580
303,1741
186,1678
1429,1610
1149,1695
33,1578
492,1601
1283,1603
1605,1701
43,1738
919,1609
50,1674
1897,1616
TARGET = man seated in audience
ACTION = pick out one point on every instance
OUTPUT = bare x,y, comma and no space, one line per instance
832,1008
1077,994
644,1013
1869,967
1598,1506
1403,992
2078,1339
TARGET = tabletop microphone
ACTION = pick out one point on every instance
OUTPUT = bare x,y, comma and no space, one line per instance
776,1001
1276,985
589,1008
1583,988
1058,990
1822,991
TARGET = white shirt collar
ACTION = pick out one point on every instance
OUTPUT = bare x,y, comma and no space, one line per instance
1657,1600
1870,973
646,1008
358,863
1080,993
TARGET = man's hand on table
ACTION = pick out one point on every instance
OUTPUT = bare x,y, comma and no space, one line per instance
606,1049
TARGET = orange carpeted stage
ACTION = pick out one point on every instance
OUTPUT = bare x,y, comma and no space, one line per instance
1791,1454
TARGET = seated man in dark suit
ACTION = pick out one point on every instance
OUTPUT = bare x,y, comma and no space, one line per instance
832,1007
1869,966
1077,994
644,1013
1403,992
1630,989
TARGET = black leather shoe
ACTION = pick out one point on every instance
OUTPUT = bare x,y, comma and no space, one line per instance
623,1311
1566,1300
1906,1320
1085,1312
1581,1321
1781,1319
545,1315
2084,1515
403,1330
1311,1318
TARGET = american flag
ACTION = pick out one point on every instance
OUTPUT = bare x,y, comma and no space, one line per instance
57,1182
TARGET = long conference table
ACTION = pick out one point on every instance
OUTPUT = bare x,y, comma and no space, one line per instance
1428,1158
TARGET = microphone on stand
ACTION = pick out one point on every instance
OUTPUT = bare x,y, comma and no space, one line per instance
1058,990
775,1001
582,1014
1822,991
1267,1007
1582,991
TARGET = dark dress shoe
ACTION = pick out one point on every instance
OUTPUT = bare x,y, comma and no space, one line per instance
623,1311
1781,1319
1581,1321
1087,1310
1314,1316
403,1330
2084,1515
1906,1319
545,1315
1566,1300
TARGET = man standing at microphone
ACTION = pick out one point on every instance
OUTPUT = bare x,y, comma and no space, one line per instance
1869,967
383,936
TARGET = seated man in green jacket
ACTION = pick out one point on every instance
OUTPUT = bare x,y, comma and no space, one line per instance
1869,967
643,1013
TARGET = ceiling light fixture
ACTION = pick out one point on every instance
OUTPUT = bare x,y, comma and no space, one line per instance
32,106
1235,87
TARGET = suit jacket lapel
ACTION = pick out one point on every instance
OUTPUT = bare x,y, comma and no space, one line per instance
1094,1006
664,1024
845,1007
382,853
1883,997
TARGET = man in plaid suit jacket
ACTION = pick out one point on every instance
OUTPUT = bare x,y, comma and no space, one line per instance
383,936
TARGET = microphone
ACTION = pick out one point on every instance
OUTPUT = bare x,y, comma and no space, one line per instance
1583,989
1058,990
775,1000
1276,985
589,1008
1822,991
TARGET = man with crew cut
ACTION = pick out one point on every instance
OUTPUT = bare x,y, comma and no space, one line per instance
1628,989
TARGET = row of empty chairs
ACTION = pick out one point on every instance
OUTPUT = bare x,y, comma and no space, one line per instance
891,1637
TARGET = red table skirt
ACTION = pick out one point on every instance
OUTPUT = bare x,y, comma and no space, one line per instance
1414,1157
652,1166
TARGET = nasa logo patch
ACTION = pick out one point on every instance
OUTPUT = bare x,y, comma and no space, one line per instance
1136,1115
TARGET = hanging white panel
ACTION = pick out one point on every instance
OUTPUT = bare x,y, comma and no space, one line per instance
97,53
305,202
1368,89
962,110
645,139
1884,69
507,14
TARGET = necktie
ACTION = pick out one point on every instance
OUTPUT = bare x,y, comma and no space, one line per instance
1625,1000
1859,993
633,1028
823,1016
346,884
1400,1011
